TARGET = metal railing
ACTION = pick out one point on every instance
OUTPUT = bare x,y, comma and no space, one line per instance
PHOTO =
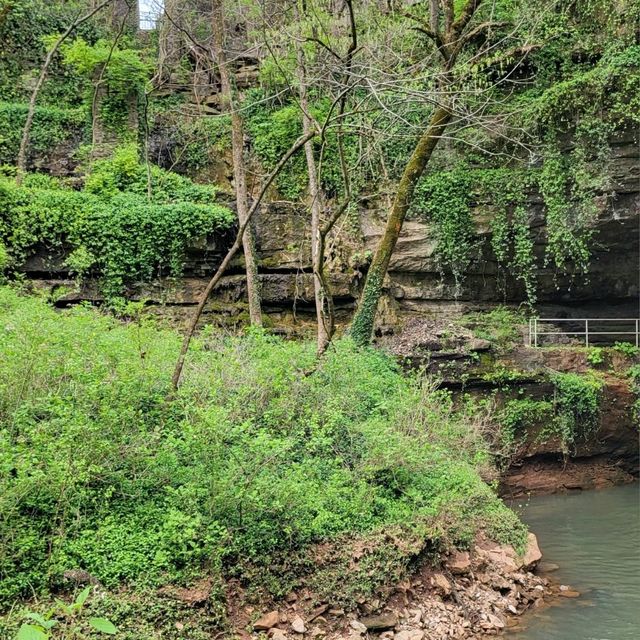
592,327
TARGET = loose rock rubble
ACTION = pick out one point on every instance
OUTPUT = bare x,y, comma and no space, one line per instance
470,596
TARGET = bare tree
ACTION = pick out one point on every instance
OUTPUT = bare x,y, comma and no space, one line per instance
127,12
21,161
240,174
324,317
311,67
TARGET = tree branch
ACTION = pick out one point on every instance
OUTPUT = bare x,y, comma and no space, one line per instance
466,14
298,144
21,160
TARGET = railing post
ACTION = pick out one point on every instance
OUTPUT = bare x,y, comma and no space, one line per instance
535,332
586,332
637,333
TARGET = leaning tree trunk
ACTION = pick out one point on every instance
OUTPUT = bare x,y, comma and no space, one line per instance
177,372
449,44
239,169
362,326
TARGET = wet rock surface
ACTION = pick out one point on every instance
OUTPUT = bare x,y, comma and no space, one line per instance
548,475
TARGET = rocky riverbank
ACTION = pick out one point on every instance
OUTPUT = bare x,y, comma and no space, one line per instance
470,595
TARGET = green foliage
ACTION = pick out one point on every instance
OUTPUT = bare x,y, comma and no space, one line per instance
576,404
202,140
586,104
502,326
272,132
634,377
511,240
4,258
121,73
73,618
595,356
626,349
447,198
251,466
586,88
568,224
195,142
110,229
503,376
274,128
608,89
520,415
51,127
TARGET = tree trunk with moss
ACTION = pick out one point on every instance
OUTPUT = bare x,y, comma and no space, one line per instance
362,326
239,169
449,42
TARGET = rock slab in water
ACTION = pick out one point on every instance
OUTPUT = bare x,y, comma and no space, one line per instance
532,554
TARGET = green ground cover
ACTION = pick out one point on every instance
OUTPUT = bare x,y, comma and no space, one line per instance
254,464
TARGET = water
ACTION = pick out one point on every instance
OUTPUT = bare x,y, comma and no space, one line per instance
595,538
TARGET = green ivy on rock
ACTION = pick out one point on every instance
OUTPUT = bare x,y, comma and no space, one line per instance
110,229
52,126
447,198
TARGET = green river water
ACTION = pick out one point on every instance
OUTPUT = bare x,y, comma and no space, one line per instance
595,538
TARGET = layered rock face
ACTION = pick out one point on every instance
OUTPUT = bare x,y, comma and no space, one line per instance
414,285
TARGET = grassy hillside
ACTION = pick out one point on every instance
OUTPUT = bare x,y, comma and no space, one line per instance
258,460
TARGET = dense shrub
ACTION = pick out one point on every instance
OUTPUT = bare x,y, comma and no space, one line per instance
577,406
123,73
111,229
51,127
253,463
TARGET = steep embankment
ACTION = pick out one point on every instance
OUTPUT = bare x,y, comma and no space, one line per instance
564,417
269,472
